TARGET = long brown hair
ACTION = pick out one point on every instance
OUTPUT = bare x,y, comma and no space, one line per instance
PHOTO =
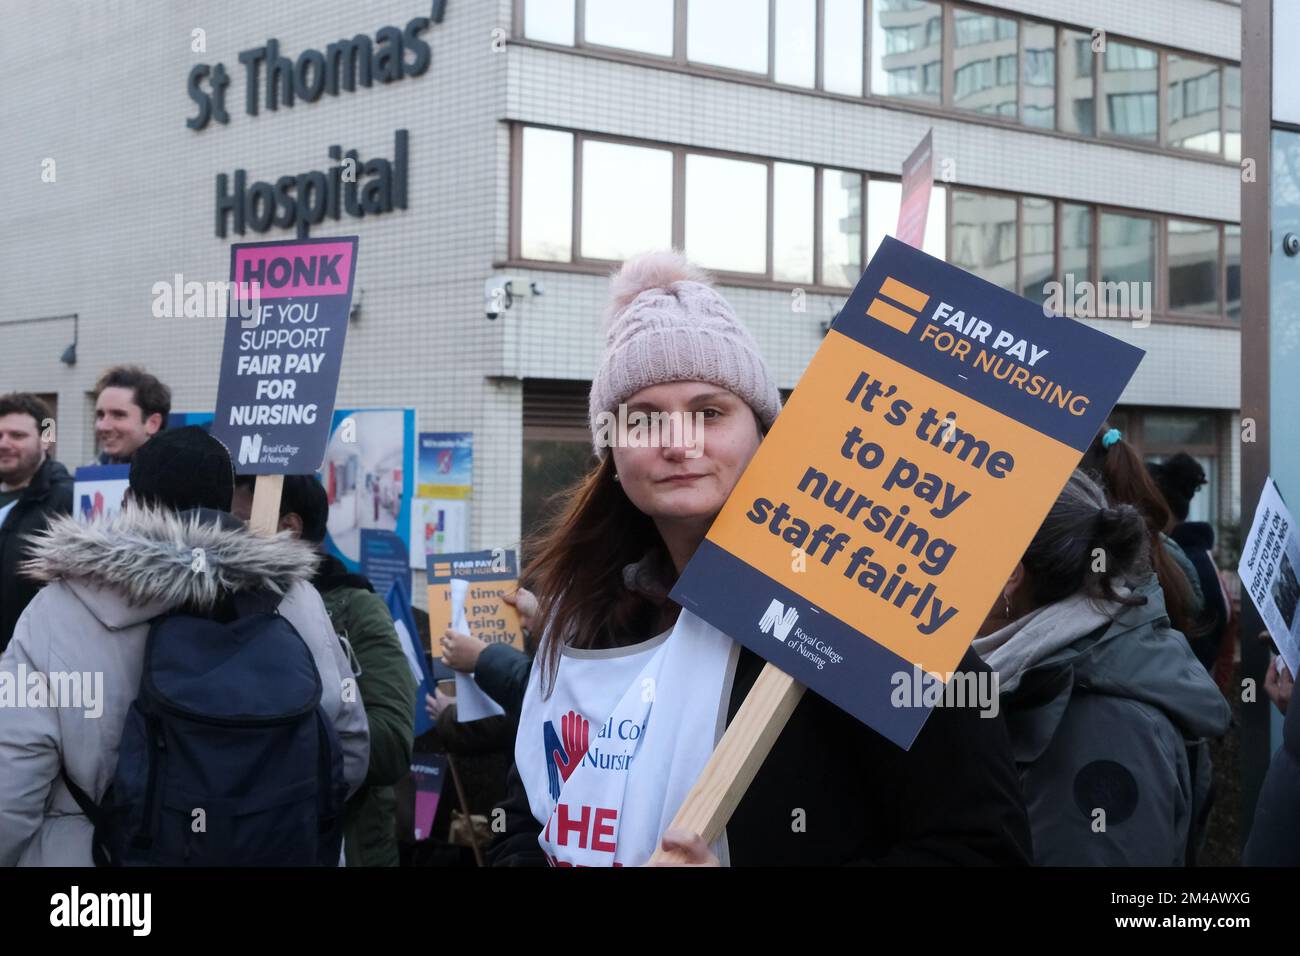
1126,481
576,570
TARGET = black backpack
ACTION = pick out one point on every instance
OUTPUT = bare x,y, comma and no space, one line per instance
226,758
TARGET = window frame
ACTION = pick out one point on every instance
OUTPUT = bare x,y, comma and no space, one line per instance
945,107
1160,311
1221,290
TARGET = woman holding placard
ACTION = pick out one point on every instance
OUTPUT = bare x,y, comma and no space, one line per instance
629,693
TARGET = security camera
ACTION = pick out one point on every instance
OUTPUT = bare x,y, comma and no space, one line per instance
495,297
500,293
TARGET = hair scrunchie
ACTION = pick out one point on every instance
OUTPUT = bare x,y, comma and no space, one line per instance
1110,437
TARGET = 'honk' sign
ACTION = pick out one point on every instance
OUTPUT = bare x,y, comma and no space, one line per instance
899,487
280,361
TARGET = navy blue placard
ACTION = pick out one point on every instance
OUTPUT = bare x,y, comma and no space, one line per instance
1110,362
860,683
473,566
280,361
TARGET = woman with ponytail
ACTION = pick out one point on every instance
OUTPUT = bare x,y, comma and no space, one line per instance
629,693
1119,468
1108,707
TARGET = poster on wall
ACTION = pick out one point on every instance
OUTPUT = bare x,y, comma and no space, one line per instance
369,477
438,526
446,465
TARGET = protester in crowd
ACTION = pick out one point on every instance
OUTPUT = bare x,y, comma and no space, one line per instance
482,750
1108,708
34,488
170,549
1275,834
1119,469
601,574
500,670
1179,479
131,406
361,618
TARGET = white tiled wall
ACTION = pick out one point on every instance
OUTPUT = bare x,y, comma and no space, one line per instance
100,88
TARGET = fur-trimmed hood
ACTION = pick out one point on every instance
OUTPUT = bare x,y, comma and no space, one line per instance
160,557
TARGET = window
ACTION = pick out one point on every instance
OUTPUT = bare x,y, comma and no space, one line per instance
1128,89
841,227
1193,251
792,222
984,236
1232,268
556,447
984,57
1039,75
1037,246
883,199
1076,110
842,47
549,20
906,49
627,199
726,213
1165,433
1232,113
1076,245
546,196
730,33
1128,252
796,42
1193,103
645,26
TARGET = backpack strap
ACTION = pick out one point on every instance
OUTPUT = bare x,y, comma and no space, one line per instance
260,601
93,813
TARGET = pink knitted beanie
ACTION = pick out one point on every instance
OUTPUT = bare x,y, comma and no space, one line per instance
666,323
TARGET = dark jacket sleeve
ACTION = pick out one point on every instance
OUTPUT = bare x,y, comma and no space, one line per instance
517,844
387,687
955,797
477,737
502,674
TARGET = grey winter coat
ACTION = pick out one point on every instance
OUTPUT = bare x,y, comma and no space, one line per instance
108,580
1109,711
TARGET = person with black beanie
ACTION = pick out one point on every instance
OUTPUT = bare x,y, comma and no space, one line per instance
1179,478
388,689
172,546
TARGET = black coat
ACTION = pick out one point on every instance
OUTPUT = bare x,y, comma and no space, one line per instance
1275,834
1196,538
954,798
48,494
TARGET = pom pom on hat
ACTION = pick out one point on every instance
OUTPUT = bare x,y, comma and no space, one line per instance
653,270
667,323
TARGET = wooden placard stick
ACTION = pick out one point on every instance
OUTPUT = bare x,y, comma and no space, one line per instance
736,759
265,517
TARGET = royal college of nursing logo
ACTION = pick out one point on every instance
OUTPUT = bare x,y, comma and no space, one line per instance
778,619
565,751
